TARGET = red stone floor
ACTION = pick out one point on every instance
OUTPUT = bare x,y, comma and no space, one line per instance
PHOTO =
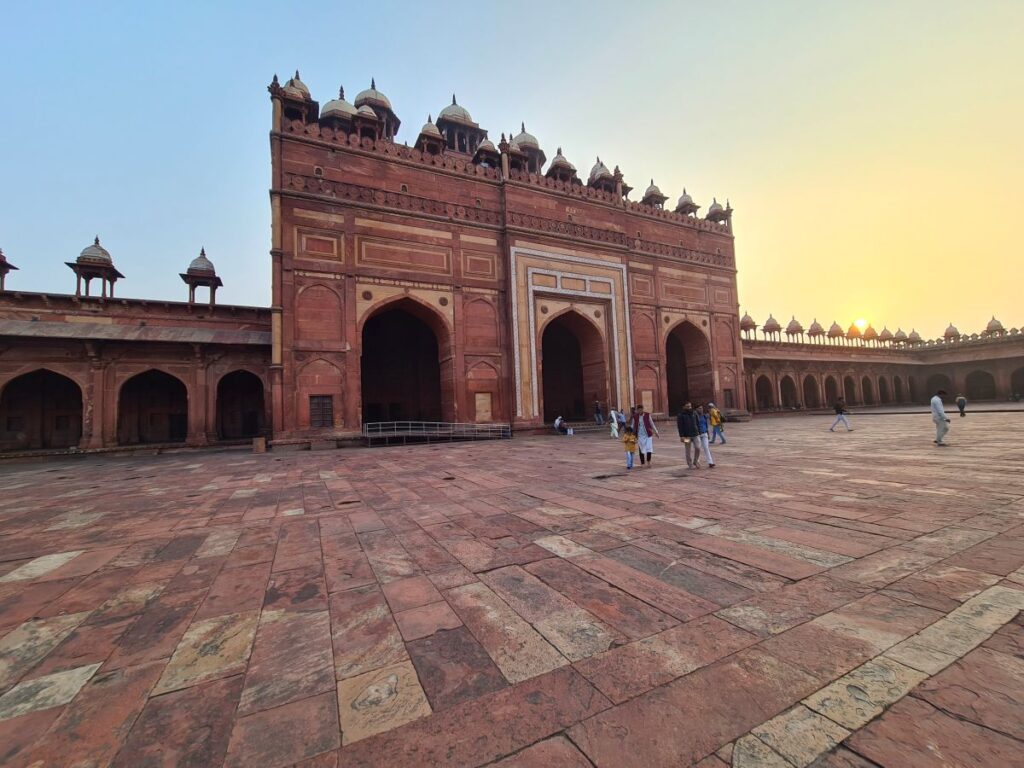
821,599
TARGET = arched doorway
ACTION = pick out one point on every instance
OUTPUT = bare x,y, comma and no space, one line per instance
867,391
765,396
40,410
936,382
914,385
981,385
572,363
1017,382
240,409
897,389
152,408
404,354
831,390
788,391
811,392
688,367
883,390
849,390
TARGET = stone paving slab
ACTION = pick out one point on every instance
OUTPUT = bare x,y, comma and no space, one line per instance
816,599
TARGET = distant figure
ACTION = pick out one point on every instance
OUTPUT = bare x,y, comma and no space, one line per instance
940,419
629,443
686,424
961,403
621,416
613,425
717,423
702,435
598,414
645,429
560,426
840,408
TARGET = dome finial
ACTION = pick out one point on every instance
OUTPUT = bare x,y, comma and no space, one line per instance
453,97
559,150
430,118
522,126
297,75
373,84
202,251
275,81
341,91
96,241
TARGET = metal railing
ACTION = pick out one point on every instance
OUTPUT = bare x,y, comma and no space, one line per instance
388,432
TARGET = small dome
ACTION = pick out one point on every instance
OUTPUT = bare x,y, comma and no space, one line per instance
295,87
367,111
95,254
599,171
526,140
794,327
653,190
747,323
815,329
951,332
430,129
338,107
853,332
835,331
201,264
914,336
870,333
487,146
513,146
560,161
771,325
885,335
373,97
901,335
716,207
684,199
455,112
994,326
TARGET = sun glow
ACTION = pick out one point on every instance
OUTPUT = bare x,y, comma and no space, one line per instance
861,323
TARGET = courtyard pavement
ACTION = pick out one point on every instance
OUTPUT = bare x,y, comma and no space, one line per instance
846,599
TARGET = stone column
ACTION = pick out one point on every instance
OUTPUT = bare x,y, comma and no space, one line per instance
197,410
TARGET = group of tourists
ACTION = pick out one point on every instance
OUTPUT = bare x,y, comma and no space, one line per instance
699,427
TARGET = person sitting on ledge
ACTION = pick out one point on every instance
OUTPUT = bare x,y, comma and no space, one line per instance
560,426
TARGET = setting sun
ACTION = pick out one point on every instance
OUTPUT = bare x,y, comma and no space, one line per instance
861,323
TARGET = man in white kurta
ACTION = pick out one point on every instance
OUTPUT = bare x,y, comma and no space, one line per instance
939,417
645,429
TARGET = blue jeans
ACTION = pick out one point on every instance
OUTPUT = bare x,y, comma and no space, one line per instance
717,431
629,460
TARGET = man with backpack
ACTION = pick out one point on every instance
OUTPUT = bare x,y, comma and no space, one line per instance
717,423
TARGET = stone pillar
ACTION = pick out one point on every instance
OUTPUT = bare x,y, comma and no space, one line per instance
93,404
197,397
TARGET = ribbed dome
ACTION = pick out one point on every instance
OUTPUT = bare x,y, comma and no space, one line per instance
95,254
201,264
747,323
914,336
771,325
599,171
853,332
885,335
338,107
367,111
430,129
951,332
526,140
295,87
560,161
994,326
835,331
455,112
794,327
372,96
716,207
815,329
870,333
901,335
652,190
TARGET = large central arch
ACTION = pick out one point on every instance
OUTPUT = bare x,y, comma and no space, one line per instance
688,367
406,365
40,410
573,367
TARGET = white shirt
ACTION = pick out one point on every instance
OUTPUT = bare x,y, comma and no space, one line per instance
938,412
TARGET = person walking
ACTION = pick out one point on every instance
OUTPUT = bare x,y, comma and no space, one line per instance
840,408
613,425
702,435
686,424
717,423
598,415
646,431
940,418
961,403
629,443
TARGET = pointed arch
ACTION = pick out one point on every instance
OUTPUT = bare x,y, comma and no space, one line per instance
788,392
40,409
152,407
573,366
688,371
810,388
764,393
240,410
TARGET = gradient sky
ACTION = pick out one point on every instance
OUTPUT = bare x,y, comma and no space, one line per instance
872,150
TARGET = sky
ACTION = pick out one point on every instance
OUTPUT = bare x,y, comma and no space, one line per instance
872,151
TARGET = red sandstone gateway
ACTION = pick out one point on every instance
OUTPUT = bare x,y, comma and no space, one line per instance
456,280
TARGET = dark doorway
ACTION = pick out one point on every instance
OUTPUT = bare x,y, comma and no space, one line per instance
239,406
763,392
897,389
401,367
789,396
867,391
883,391
688,367
849,390
40,410
572,368
1017,382
152,408
811,393
936,382
981,386
831,391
